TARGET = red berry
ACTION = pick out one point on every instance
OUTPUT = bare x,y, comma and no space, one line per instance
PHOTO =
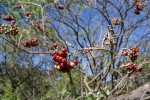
139,6
55,45
57,58
64,61
125,53
136,11
13,22
60,7
138,69
68,64
54,57
64,55
8,18
61,53
27,14
64,50
60,59
61,65
129,67
75,61
56,63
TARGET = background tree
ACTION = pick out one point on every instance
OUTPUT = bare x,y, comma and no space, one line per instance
94,32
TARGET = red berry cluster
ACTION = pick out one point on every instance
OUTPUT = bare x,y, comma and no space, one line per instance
134,67
139,6
3,28
13,30
61,7
8,18
30,43
131,53
60,60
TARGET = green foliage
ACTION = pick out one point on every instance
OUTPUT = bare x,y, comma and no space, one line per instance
8,94
15,15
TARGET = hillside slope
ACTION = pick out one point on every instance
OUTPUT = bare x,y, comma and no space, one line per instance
141,93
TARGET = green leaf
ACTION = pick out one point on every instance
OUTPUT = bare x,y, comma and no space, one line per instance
15,15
